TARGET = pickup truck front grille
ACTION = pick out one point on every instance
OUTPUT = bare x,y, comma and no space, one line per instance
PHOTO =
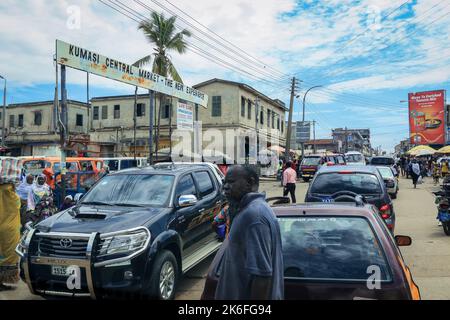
62,247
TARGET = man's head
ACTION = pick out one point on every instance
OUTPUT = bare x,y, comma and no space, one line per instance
30,179
288,164
240,180
41,180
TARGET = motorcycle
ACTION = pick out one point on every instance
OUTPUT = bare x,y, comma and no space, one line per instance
443,206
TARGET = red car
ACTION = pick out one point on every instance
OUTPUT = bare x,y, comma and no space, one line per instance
338,251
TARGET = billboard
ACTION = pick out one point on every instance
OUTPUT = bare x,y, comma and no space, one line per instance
302,131
427,117
92,62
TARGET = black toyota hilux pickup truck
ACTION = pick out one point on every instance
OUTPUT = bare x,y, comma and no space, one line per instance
132,235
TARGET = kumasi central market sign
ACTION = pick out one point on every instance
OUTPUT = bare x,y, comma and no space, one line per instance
92,62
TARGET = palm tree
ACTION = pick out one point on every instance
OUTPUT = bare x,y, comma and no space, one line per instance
162,33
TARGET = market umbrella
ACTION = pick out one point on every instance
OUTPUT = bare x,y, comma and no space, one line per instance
445,149
424,153
416,149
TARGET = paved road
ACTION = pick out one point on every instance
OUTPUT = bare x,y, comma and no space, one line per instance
428,257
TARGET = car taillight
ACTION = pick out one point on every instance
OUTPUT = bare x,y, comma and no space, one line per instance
385,211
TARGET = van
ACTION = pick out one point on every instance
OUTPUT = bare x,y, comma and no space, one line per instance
121,163
52,165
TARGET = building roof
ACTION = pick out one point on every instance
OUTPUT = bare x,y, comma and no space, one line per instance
44,103
320,142
245,87
126,96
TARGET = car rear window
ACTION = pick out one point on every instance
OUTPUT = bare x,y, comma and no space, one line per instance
382,161
360,183
386,172
312,161
332,248
353,158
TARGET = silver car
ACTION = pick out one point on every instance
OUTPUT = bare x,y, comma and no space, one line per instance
390,180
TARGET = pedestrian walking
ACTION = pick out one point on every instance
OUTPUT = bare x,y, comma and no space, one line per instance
444,168
415,171
289,180
436,173
9,223
403,165
22,191
252,266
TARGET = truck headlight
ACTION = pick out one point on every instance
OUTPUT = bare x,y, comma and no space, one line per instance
126,242
21,246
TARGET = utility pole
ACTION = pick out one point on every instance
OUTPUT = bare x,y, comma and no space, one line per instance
314,136
256,127
134,121
63,132
4,113
289,129
150,130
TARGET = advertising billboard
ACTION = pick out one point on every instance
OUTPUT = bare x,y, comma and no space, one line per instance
95,63
427,117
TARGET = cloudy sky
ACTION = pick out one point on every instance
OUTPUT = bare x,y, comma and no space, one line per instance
366,54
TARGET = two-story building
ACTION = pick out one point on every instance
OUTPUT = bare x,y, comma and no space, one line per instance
231,106
32,128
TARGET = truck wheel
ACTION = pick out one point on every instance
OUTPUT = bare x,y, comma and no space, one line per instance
164,276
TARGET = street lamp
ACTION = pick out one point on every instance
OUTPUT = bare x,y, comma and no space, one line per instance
3,113
303,117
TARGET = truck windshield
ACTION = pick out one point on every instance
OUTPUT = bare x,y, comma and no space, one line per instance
142,190
313,161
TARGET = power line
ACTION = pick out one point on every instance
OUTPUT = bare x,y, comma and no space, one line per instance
206,35
137,15
254,58
394,41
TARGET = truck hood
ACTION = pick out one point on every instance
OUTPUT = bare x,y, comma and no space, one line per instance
102,219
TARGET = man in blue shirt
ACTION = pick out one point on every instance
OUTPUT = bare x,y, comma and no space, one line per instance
252,266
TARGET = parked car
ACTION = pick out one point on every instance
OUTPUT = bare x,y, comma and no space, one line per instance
355,158
390,180
332,251
366,181
135,232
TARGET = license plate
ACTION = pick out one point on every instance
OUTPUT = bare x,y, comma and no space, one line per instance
60,271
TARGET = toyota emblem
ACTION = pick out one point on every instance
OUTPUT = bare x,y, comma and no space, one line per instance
65,243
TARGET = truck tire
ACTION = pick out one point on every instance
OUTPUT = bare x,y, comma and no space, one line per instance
164,277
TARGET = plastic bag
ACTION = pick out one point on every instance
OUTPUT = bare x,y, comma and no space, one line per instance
420,180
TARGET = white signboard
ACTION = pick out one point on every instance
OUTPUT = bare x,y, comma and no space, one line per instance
92,62
185,117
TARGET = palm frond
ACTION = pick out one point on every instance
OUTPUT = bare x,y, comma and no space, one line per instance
143,61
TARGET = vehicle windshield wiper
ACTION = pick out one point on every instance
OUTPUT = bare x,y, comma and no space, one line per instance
123,204
97,203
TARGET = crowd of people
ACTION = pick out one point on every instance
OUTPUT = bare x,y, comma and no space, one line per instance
418,167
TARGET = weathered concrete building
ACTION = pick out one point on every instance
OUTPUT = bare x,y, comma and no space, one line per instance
31,128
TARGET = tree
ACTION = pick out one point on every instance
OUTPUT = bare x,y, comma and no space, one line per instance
163,34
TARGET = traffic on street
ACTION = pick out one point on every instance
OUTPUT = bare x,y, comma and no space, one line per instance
224,151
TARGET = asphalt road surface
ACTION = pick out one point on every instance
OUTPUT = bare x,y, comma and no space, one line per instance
428,257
